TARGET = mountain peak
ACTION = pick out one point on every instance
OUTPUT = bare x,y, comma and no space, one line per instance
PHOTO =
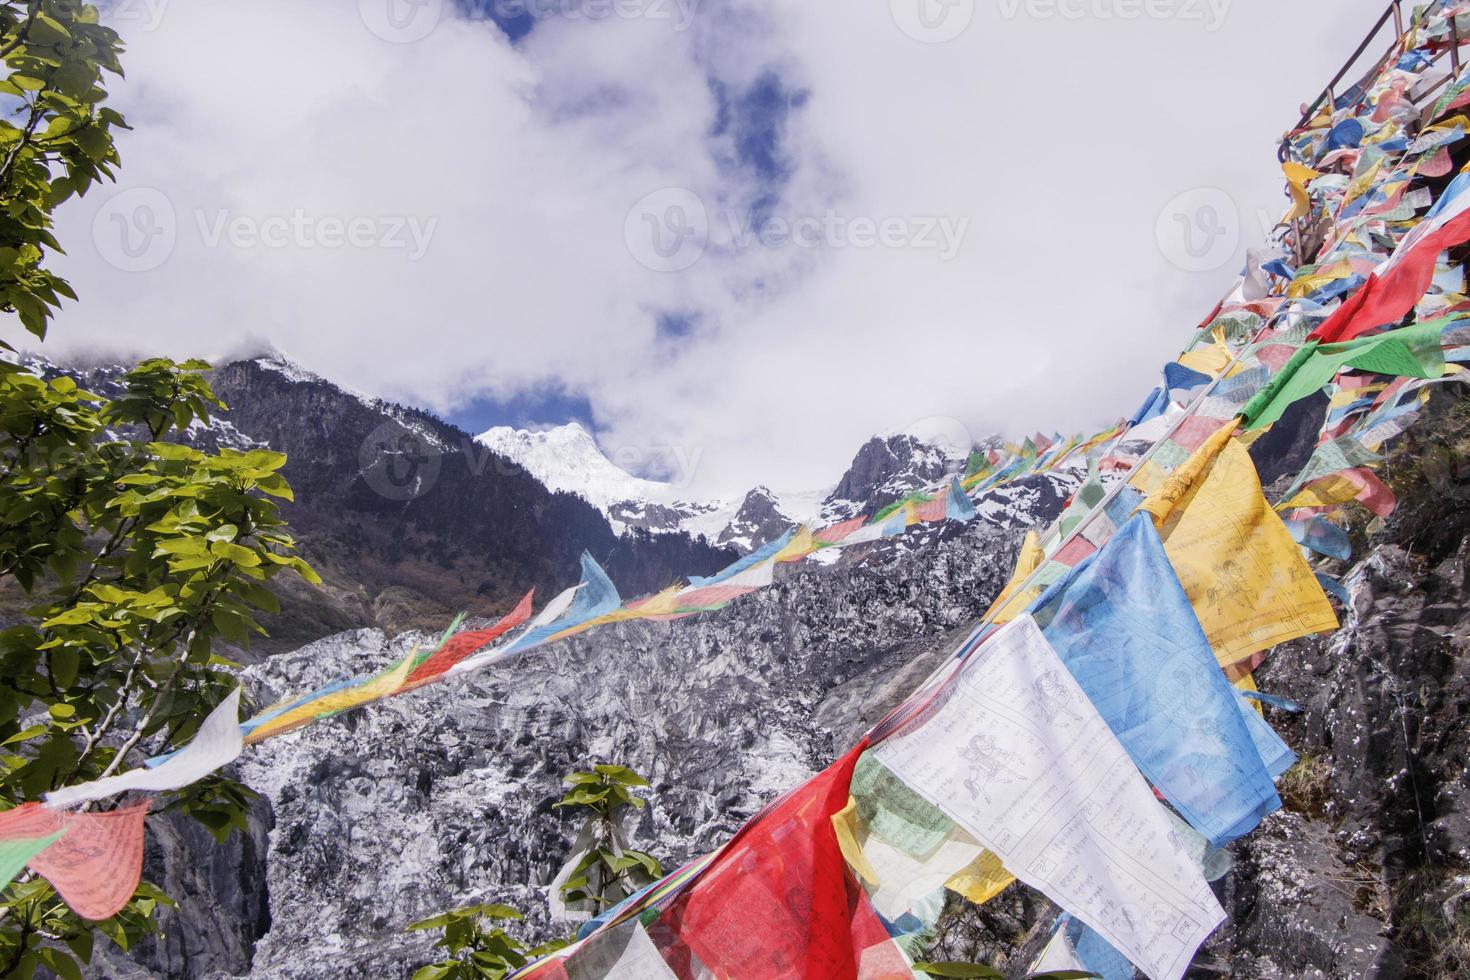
568,458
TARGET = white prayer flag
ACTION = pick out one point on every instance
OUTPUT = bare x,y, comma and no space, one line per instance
217,743
1013,751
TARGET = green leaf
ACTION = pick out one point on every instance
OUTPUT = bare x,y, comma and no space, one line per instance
65,664
80,944
956,969
498,911
225,532
433,922
75,616
238,554
29,733
59,963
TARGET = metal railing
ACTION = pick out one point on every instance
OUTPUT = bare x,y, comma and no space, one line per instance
1392,15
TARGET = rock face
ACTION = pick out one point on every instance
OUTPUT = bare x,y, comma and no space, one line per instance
758,520
884,470
223,902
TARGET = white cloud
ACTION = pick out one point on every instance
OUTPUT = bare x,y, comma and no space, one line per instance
1057,140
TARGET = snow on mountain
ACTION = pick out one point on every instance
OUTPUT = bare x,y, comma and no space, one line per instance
568,458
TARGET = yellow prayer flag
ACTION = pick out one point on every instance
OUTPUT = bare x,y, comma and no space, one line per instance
1323,276
1243,573
1360,184
983,879
1148,477
801,544
374,689
1324,492
1297,178
664,603
1347,396
847,825
1209,360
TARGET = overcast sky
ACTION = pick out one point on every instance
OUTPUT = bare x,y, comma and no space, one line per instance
755,231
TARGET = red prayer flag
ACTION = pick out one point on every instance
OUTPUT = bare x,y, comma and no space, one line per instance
1385,298
930,511
1373,493
463,645
835,533
97,863
779,900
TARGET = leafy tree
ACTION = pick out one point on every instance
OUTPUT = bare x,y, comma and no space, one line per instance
58,141
478,948
135,555
603,869
125,555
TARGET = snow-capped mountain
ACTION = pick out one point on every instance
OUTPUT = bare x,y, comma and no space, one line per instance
567,458
886,468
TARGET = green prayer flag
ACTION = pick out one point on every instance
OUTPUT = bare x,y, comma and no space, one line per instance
16,852
1409,352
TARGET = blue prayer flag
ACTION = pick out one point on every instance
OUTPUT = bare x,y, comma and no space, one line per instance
1123,626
